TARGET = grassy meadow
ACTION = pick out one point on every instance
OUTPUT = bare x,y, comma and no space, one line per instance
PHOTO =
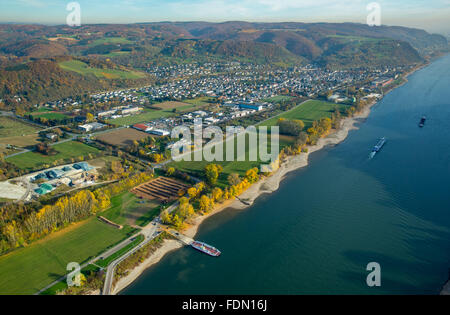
127,209
70,149
82,68
29,269
11,127
308,112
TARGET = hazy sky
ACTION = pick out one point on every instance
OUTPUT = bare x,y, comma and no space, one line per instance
432,15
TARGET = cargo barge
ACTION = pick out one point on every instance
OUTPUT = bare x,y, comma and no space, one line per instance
422,121
377,147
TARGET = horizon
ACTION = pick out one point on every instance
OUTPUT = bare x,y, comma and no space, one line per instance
432,16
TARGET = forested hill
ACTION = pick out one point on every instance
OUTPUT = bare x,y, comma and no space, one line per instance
40,62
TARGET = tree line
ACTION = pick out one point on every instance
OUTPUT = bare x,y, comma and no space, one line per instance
22,225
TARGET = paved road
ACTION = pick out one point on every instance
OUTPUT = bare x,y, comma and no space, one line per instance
104,255
149,232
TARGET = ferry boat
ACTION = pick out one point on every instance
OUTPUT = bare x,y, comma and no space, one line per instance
377,147
205,248
422,121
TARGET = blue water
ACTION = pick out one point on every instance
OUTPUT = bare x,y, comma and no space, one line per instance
319,231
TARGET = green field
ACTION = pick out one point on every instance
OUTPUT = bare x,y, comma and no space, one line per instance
308,112
105,262
110,40
70,149
117,53
200,101
351,38
62,285
126,208
82,68
52,116
240,167
149,114
29,269
10,128
278,99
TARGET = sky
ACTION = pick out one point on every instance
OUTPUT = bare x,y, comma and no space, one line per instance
431,15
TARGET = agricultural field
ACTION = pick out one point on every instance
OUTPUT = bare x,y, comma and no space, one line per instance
110,40
172,105
201,101
10,127
308,112
20,141
51,115
162,188
70,149
147,115
29,269
82,68
122,137
128,209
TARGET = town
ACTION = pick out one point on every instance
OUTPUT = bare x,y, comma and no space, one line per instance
216,93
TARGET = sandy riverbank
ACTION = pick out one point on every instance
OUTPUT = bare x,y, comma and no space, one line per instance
264,186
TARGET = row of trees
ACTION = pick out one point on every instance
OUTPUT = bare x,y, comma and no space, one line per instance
202,197
18,230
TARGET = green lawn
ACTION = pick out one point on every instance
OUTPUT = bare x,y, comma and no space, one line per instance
70,149
29,269
11,128
308,112
126,208
105,262
82,68
278,98
62,285
52,116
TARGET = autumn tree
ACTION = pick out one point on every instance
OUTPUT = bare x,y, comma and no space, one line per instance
252,175
233,179
217,194
170,171
212,172
205,203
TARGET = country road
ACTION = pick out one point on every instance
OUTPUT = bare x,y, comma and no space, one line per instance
149,232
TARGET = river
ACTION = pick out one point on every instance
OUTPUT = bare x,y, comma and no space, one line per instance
318,232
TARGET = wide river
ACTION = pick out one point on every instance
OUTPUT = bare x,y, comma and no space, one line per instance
318,232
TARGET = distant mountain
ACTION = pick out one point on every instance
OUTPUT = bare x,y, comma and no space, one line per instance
29,53
328,41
